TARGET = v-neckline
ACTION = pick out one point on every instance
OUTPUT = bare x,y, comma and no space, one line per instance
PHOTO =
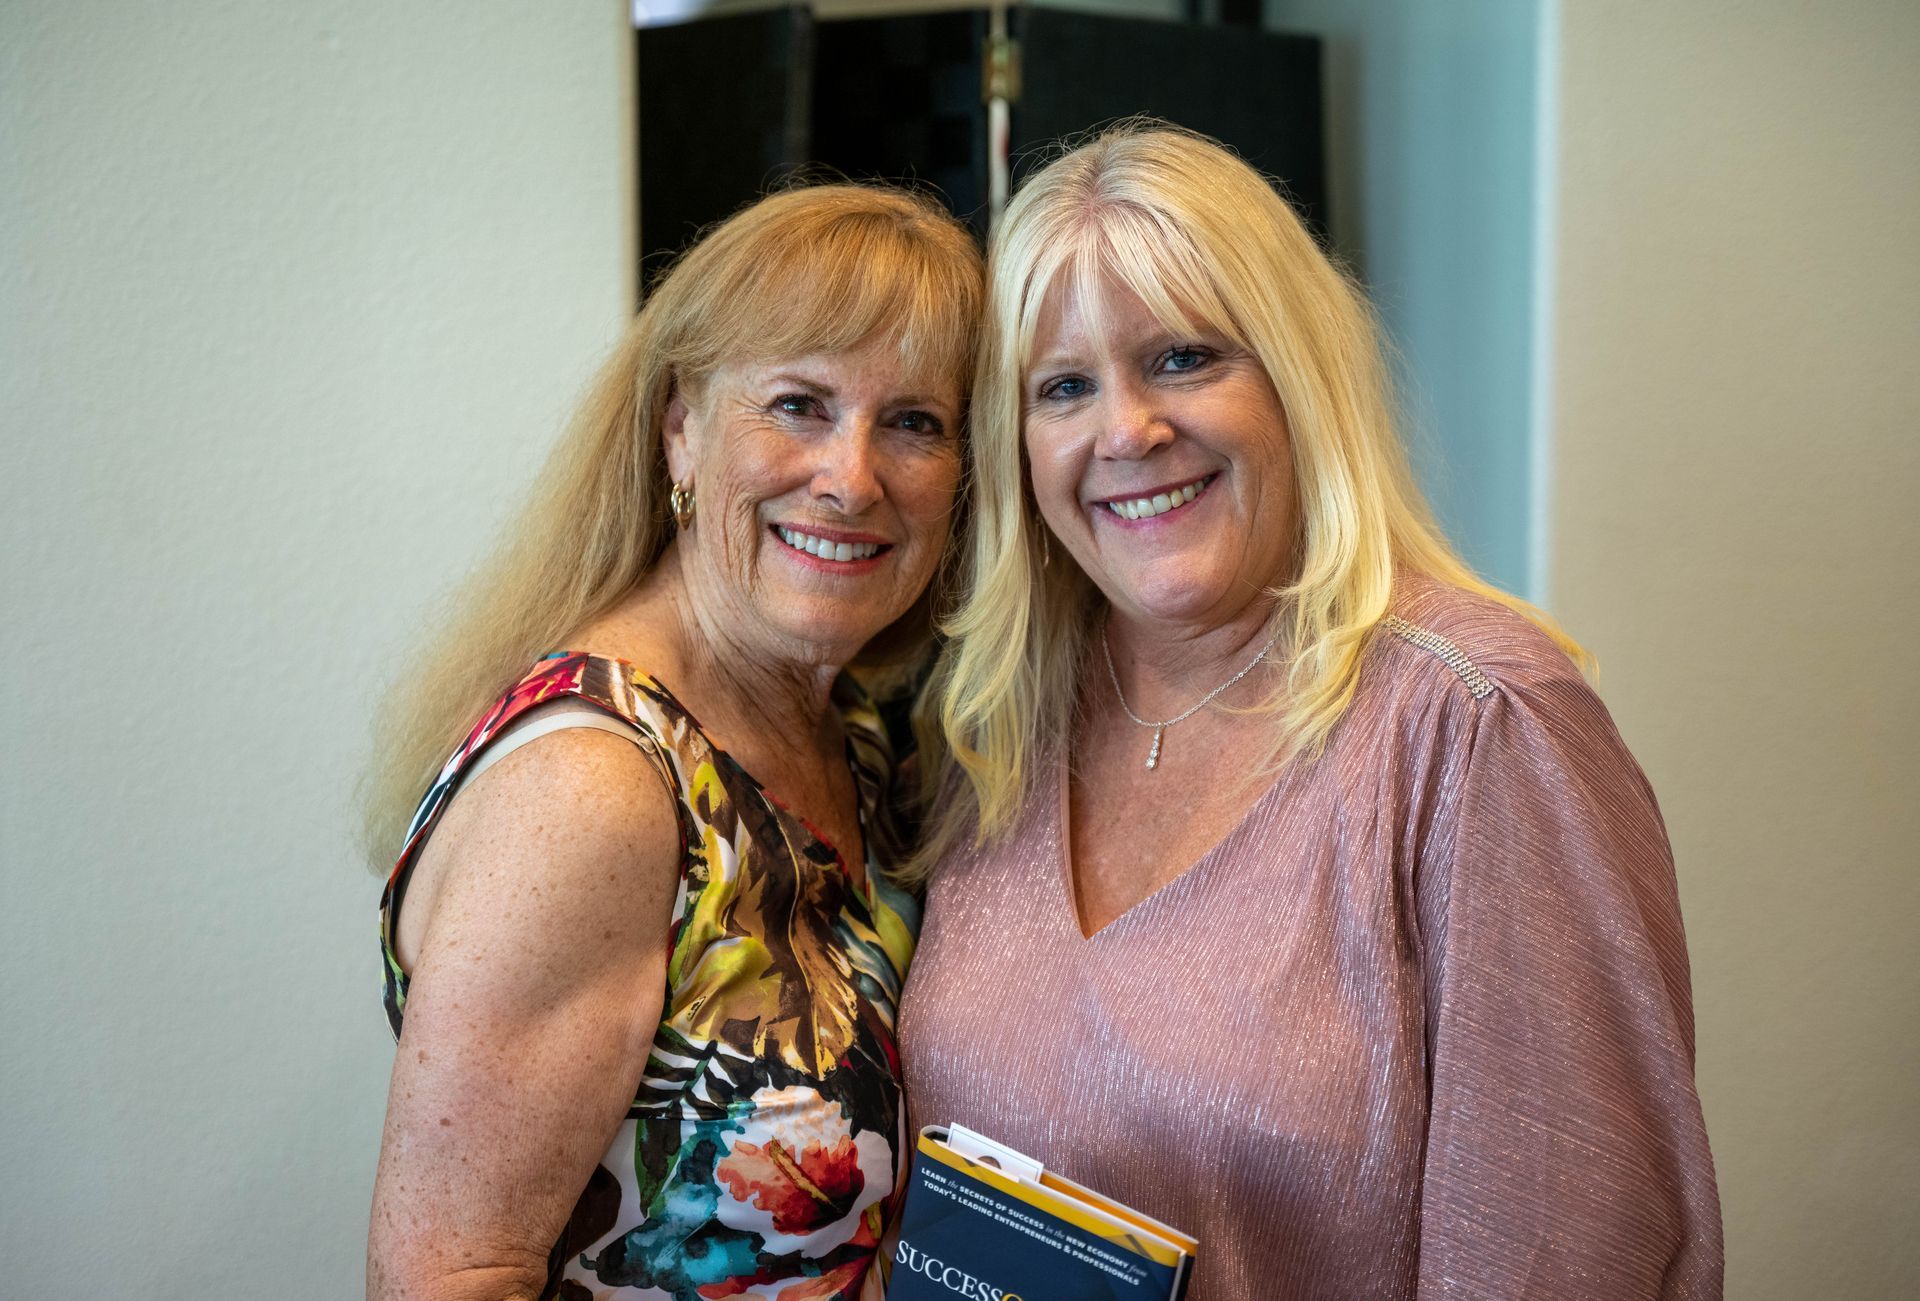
1064,868
863,882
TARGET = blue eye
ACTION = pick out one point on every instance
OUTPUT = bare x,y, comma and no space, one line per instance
1065,388
796,404
1181,360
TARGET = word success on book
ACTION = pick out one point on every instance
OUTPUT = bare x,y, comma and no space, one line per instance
948,1276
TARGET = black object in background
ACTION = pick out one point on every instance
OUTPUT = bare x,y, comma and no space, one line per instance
730,106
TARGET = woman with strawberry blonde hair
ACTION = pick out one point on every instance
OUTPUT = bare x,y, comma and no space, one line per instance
642,953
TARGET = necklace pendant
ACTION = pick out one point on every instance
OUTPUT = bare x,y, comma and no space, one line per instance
1153,755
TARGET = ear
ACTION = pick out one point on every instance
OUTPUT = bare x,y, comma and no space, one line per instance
673,437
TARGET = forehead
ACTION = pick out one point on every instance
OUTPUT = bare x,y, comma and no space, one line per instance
880,370
1088,316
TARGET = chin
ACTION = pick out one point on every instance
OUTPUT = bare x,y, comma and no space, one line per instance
1186,613
1179,596
837,630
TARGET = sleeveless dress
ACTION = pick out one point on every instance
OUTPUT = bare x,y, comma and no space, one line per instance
760,1153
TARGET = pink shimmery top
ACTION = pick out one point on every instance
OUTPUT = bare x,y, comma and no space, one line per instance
1419,1026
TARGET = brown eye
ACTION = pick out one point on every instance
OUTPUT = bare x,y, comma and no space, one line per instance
798,405
923,422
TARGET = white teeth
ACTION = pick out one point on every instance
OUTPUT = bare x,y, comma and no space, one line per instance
1160,503
836,551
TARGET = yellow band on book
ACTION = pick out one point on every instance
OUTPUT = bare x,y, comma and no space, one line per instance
1052,1203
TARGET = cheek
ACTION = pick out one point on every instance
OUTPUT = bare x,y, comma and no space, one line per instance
739,493
1043,454
1273,481
726,528
742,530
926,497
741,475
1056,482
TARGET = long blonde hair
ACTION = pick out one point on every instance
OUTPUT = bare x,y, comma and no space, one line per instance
818,269
1201,238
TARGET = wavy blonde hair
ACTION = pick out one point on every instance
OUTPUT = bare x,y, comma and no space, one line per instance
1203,240
817,269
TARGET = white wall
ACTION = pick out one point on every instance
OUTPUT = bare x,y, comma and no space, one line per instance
1737,452
295,295
1432,113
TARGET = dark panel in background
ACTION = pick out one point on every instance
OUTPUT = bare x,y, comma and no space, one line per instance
900,98
724,106
728,106
1257,91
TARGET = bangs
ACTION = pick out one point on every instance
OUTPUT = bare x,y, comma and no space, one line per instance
853,280
1124,245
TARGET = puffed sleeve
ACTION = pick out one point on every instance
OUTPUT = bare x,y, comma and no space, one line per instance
1566,1156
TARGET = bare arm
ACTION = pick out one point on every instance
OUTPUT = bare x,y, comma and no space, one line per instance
532,1004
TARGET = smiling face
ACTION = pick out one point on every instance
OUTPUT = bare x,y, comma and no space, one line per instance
1160,458
824,489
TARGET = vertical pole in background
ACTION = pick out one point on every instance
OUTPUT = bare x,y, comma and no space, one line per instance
1000,75
796,136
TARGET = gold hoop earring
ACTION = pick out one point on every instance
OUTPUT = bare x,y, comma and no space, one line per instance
680,498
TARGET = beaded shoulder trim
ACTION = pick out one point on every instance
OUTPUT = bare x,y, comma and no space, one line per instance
1445,651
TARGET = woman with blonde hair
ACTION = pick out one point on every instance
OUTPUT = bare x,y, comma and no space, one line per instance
644,1004
1288,882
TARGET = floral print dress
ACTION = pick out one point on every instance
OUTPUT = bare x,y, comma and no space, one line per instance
761,1149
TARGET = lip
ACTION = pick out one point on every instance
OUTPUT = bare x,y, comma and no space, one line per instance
1167,519
837,568
1135,494
831,535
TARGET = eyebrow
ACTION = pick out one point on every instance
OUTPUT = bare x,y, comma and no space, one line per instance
1056,361
1168,335
914,399
918,400
800,381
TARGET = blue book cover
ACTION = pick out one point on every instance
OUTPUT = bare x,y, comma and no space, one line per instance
983,1223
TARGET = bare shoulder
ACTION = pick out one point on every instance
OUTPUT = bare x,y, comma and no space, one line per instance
535,985
570,829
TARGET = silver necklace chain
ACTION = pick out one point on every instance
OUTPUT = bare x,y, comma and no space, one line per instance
1159,728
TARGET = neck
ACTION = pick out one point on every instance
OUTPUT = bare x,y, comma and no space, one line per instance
736,682
1165,668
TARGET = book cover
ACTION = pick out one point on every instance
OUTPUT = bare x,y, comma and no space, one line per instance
984,1223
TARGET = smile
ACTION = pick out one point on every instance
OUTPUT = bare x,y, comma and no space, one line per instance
1160,502
826,548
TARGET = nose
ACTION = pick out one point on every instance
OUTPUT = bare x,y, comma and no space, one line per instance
846,477
1134,425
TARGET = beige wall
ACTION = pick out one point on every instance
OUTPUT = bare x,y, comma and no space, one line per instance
1736,442
294,297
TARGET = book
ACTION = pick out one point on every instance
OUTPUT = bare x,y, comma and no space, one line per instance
983,1222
